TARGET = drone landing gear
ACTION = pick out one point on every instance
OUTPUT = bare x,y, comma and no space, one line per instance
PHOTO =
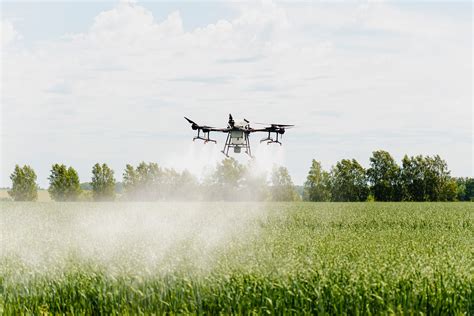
270,140
206,138
274,141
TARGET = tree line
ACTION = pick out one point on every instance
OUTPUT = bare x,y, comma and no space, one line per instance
230,181
418,178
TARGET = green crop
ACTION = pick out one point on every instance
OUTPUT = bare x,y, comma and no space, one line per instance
237,258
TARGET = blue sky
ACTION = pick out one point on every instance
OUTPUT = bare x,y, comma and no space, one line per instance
110,81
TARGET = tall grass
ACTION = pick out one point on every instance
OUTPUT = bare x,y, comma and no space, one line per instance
354,258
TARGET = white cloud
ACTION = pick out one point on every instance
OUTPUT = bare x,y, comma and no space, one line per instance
117,92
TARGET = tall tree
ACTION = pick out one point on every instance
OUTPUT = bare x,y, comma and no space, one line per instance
103,183
169,184
187,187
143,182
225,183
449,190
64,183
318,184
427,179
282,188
413,178
229,173
130,179
384,177
24,187
349,181
465,189
469,192
438,182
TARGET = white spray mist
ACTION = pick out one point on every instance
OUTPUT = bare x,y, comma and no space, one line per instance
133,238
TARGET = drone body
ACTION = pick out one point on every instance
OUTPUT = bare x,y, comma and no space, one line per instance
238,134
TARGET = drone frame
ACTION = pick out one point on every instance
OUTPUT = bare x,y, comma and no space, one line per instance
235,141
228,144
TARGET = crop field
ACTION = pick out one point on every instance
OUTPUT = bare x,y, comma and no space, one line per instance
43,195
132,258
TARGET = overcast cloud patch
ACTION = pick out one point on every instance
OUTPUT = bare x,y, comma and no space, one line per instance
211,80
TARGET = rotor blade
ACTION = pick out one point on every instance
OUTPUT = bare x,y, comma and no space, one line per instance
275,125
189,120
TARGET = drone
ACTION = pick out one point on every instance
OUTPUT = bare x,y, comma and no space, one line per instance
238,134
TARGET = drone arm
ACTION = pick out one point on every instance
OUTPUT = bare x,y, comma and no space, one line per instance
213,129
254,130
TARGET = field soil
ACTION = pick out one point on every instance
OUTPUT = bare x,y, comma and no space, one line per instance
292,258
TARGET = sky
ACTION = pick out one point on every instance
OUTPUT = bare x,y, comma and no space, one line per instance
106,81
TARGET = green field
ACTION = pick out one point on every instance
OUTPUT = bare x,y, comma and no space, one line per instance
132,258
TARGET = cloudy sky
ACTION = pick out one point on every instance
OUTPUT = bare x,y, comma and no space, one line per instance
86,82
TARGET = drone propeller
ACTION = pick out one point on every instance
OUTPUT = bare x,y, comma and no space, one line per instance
231,121
276,125
189,120
195,126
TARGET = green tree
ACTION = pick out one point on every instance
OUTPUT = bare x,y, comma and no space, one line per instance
438,184
465,189
318,184
226,182
24,187
469,192
86,186
103,183
176,185
169,184
384,177
187,187
449,190
130,179
143,183
282,188
64,183
427,179
413,178
229,173
349,181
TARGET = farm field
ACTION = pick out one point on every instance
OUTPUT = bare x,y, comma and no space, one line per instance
43,195
131,258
